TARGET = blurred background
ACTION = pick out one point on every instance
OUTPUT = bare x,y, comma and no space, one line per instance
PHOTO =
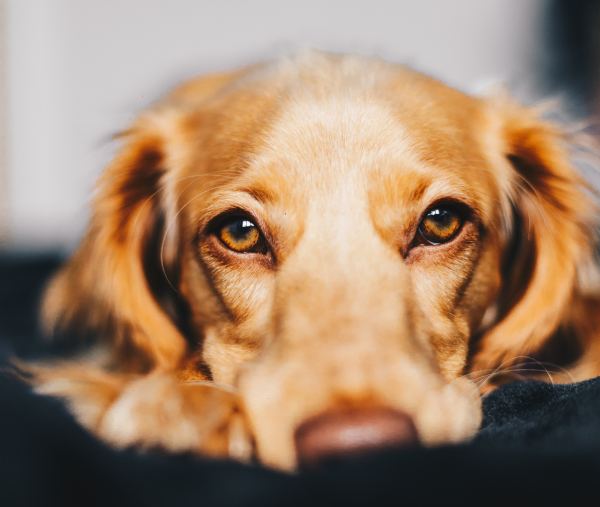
74,72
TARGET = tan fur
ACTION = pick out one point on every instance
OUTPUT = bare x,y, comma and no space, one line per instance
336,158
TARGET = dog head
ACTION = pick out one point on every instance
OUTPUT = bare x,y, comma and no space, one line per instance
330,235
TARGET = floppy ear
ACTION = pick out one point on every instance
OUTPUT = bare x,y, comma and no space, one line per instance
108,286
552,237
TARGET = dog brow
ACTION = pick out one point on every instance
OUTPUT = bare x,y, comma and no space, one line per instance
261,193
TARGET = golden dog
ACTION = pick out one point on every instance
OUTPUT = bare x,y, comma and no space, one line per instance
317,257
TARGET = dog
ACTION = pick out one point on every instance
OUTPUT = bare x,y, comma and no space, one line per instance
322,256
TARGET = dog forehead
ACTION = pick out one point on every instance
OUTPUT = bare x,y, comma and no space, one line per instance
327,127
335,134
354,111
322,144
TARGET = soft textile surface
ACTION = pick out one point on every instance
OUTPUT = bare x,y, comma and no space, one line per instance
539,444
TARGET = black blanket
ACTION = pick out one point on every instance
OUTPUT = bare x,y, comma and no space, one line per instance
540,444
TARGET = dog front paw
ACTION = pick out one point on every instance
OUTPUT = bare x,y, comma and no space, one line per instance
159,410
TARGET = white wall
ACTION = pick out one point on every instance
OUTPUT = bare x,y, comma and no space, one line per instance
79,70
3,168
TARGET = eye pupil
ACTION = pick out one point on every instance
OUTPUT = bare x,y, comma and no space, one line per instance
240,228
441,216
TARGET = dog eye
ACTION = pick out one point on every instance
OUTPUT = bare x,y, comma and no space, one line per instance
241,235
440,225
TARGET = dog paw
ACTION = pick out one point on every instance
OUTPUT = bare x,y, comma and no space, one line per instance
161,411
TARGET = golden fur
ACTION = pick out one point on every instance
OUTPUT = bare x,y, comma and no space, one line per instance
336,158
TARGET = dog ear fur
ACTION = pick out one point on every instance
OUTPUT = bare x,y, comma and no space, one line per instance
105,288
553,228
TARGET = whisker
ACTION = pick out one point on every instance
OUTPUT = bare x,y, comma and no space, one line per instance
165,236
148,199
481,377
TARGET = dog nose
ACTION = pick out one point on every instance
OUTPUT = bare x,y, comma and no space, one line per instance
341,433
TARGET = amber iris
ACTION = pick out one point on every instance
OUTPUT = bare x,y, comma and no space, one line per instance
440,225
241,235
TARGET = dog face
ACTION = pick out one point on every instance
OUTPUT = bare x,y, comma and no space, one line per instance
329,235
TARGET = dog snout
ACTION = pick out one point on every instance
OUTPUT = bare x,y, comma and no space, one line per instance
341,433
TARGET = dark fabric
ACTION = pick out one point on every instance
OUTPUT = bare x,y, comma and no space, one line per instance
539,444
